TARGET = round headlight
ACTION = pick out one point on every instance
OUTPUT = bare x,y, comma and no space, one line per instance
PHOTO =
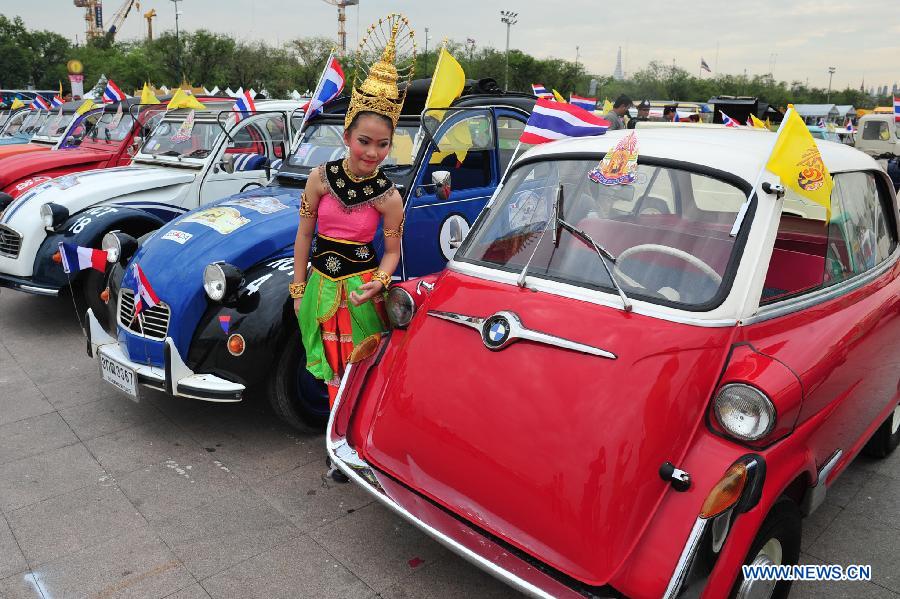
110,244
400,307
47,216
744,412
214,281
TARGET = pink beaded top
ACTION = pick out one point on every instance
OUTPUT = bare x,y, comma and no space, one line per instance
335,221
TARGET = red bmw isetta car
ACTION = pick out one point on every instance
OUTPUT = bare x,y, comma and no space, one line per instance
633,390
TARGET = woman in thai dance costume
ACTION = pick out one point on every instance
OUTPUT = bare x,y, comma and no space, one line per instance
342,301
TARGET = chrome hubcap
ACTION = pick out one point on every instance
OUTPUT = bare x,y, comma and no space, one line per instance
895,421
771,554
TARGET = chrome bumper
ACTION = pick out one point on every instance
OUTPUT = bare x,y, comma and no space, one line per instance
175,378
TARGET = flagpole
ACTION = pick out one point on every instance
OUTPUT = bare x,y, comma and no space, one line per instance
743,211
316,91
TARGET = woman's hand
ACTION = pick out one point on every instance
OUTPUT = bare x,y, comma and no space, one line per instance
297,301
365,292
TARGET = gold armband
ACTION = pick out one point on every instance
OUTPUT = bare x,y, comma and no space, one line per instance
398,232
305,211
296,289
382,277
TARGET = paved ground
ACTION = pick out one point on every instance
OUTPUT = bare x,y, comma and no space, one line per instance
101,497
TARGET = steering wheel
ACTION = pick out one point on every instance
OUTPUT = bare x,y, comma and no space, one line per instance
668,251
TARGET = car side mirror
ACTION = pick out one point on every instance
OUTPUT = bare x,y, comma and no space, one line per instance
441,181
228,163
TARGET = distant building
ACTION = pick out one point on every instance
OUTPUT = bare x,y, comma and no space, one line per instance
619,74
812,114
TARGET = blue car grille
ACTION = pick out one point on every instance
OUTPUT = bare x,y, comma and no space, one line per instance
10,242
152,323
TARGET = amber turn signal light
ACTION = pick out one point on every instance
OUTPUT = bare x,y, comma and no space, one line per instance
236,344
57,258
726,493
104,296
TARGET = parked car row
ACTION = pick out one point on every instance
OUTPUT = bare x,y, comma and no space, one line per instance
588,390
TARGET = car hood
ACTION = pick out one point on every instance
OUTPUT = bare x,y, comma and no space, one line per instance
80,190
555,451
17,166
241,230
9,147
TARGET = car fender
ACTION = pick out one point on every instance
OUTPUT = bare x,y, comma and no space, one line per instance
87,229
261,312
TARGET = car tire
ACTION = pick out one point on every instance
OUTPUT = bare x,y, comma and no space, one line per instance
777,542
295,395
886,438
651,206
93,282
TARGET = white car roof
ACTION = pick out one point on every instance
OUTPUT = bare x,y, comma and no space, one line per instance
740,151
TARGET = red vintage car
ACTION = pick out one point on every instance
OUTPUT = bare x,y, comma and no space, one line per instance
103,139
633,390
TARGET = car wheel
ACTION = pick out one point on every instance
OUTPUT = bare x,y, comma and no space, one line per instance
653,207
296,396
776,543
886,438
93,282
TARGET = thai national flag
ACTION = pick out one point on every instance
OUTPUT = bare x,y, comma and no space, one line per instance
76,258
145,297
896,109
729,122
112,93
581,102
540,91
39,103
849,126
330,85
56,102
558,120
244,105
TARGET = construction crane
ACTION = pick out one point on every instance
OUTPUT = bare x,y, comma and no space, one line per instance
93,17
150,15
120,17
342,18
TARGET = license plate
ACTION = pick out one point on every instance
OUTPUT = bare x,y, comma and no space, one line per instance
119,376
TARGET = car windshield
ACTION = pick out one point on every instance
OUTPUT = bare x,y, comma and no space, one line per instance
182,139
16,122
110,126
33,121
54,124
325,141
668,232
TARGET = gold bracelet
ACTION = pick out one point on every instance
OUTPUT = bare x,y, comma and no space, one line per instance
398,232
382,277
305,211
296,289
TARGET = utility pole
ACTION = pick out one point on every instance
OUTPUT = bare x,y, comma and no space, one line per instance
576,67
831,71
509,18
425,56
178,39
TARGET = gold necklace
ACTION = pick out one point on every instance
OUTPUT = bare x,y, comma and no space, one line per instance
354,178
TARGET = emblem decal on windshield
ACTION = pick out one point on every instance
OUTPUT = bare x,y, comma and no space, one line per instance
619,166
504,328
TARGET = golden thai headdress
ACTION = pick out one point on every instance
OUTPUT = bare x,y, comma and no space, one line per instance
392,39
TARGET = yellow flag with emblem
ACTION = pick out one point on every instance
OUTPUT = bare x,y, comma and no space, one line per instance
607,105
758,124
181,99
17,104
147,96
558,97
797,160
447,83
85,106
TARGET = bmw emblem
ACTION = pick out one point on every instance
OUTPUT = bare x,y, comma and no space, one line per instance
495,332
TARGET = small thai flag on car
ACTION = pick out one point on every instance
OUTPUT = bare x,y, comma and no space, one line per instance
896,109
582,102
552,120
56,102
244,105
330,85
112,93
76,258
729,122
145,297
540,91
39,103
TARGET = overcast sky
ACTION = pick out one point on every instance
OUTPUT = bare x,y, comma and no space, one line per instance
801,38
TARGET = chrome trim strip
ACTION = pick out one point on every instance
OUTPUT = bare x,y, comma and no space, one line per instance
519,331
39,290
822,295
356,468
815,496
600,298
686,559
